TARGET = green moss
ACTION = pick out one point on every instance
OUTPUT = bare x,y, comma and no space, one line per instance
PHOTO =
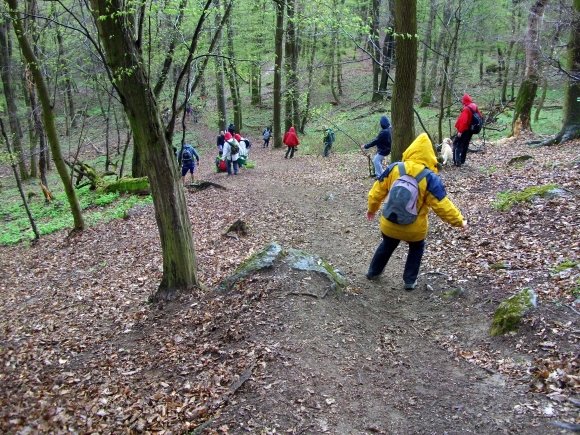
509,314
499,265
564,265
506,200
129,185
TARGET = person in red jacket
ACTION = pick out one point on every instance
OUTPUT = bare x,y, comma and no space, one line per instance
463,127
291,141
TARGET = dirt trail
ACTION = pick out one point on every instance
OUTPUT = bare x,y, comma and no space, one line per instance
374,359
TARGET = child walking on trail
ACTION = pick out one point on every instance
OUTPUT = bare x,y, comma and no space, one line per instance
419,163
266,135
291,141
189,158
383,144
328,141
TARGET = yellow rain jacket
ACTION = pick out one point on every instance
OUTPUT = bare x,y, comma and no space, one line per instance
432,193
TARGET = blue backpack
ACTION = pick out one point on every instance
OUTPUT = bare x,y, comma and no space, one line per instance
401,205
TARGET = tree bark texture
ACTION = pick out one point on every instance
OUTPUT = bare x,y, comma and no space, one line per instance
179,262
529,86
278,59
7,72
425,96
292,116
47,114
233,77
405,78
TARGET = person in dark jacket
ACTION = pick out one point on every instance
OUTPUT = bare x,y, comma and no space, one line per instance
328,141
463,127
383,144
220,141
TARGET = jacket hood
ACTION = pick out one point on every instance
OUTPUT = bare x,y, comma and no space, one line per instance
466,99
385,123
292,130
421,152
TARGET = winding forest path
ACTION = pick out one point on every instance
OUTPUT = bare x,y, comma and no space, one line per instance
375,359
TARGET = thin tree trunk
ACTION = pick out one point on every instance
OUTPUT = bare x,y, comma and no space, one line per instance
18,183
388,50
7,72
69,102
310,67
425,99
508,56
375,49
47,114
292,116
219,74
232,77
438,44
278,62
405,78
32,136
527,93
179,262
446,62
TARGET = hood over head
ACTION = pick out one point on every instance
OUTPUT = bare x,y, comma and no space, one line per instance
421,152
466,99
228,136
292,130
385,123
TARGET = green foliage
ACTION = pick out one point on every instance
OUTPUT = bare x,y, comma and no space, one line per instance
509,314
506,200
564,265
98,207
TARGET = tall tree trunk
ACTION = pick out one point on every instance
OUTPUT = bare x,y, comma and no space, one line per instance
426,99
179,262
278,59
7,72
232,76
434,71
571,124
405,78
310,68
48,115
70,104
292,116
388,50
32,136
508,56
219,75
375,49
529,86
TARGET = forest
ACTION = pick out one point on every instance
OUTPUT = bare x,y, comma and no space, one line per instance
137,299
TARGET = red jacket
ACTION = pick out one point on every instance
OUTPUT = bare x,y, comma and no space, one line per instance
463,122
290,138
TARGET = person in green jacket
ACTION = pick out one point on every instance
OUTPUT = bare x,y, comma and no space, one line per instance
328,141
419,162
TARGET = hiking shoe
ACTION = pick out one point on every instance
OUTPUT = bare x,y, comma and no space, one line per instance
371,277
410,286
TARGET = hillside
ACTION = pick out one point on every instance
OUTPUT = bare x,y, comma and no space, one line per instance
82,350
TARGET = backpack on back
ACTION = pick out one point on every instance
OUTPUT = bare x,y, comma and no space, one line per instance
234,148
266,134
187,154
476,122
401,205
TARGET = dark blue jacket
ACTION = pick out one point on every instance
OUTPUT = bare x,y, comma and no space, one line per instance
383,140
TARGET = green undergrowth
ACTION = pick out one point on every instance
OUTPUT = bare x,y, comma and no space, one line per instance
98,207
506,200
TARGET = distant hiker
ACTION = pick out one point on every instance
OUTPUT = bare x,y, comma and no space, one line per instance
266,135
231,152
383,144
220,141
220,164
291,141
328,141
466,128
189,158
413,187
242,159
232,129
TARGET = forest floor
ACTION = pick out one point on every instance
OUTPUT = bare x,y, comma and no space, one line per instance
281,352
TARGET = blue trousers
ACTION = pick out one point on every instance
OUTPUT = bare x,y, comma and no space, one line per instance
234,164
378,164
386,249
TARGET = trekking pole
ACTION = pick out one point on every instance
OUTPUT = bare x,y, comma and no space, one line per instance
371,166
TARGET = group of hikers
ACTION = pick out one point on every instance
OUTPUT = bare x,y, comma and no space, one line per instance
407,189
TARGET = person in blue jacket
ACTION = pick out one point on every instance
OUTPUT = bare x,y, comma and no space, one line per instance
383,144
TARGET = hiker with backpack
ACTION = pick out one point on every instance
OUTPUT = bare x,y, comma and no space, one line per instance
188,158
383,144
411,188
329,139
469,122
231,153
243,146
291,141
266,135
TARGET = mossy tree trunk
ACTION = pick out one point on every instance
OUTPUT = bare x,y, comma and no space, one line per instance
122,56
47,114
425,95
291,47
219,73
529,86
233,77
405,78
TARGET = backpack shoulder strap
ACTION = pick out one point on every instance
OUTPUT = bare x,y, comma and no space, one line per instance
387,171
422,175
402,170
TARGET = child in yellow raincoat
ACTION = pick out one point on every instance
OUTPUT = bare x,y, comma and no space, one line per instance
431,195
